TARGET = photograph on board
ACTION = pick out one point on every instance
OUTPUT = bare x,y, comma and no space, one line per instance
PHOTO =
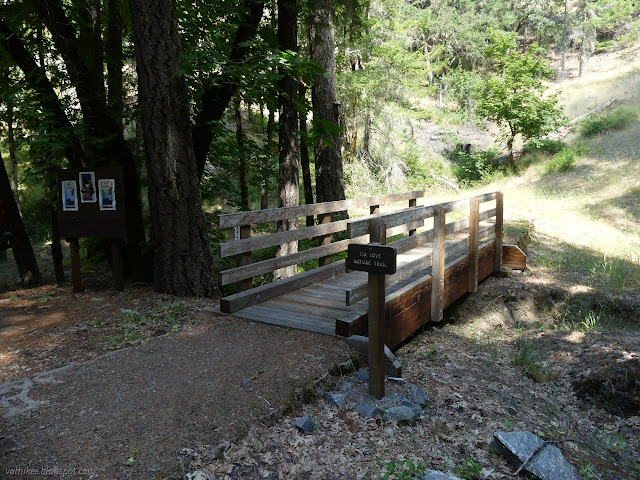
87,187
107,193
69,196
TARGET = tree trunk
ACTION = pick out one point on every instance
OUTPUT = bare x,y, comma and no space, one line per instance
304,159
266,163
288,188
13,159
328,158
242,156
22,251
366,138
114,60
564,39
182,259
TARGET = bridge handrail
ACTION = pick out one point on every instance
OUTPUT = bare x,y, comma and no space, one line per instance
230,220
242,247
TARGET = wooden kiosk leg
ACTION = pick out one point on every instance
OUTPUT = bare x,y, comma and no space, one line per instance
117,265
76,279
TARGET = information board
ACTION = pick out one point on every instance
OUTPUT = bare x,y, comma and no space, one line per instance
92,203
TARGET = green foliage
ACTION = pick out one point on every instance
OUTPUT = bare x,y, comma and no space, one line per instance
544,146
475,168
564,160
403,470
513,96
617,119
469,470
463,86
529,356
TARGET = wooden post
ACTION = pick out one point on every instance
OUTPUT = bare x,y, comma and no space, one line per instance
474,212
437,265
376,317
324,218
243,259
412,203
499,222
76,278
117,265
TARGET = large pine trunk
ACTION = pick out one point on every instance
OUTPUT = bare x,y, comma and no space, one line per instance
22,251
328,161
288,134
182,259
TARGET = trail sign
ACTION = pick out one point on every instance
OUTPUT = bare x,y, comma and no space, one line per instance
372,258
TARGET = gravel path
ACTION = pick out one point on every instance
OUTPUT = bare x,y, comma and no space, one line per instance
126,414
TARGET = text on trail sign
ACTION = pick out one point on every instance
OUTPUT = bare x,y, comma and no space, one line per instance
371,258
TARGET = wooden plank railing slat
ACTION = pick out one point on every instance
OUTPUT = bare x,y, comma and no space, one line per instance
267,266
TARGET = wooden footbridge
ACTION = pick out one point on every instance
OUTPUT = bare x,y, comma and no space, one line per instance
451,246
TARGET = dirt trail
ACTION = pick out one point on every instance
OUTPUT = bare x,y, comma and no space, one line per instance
142,405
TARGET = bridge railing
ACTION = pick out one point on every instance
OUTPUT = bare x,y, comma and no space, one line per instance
436,237
244,244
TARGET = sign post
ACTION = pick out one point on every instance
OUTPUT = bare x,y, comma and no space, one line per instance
378,260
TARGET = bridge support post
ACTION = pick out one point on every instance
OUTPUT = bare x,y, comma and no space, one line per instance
474,212
376,317
437,265
412,203
323,219
243,259
499,222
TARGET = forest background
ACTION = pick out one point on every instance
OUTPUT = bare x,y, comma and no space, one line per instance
216,106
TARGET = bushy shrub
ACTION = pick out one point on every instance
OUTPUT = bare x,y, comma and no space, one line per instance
617,119
564,160
543,146
476,167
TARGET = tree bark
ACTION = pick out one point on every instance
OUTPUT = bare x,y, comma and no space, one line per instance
13,159
328,158
288,187
22,251
218,92
304,159
266,163
182,259
242,157
114,60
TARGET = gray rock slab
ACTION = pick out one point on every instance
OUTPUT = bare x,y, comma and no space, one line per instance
334,398
401,414
363,375
413,406
418,396
368,410
435,475
305,424
547,462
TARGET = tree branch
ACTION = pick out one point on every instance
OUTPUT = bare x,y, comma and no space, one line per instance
217,93
37,78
